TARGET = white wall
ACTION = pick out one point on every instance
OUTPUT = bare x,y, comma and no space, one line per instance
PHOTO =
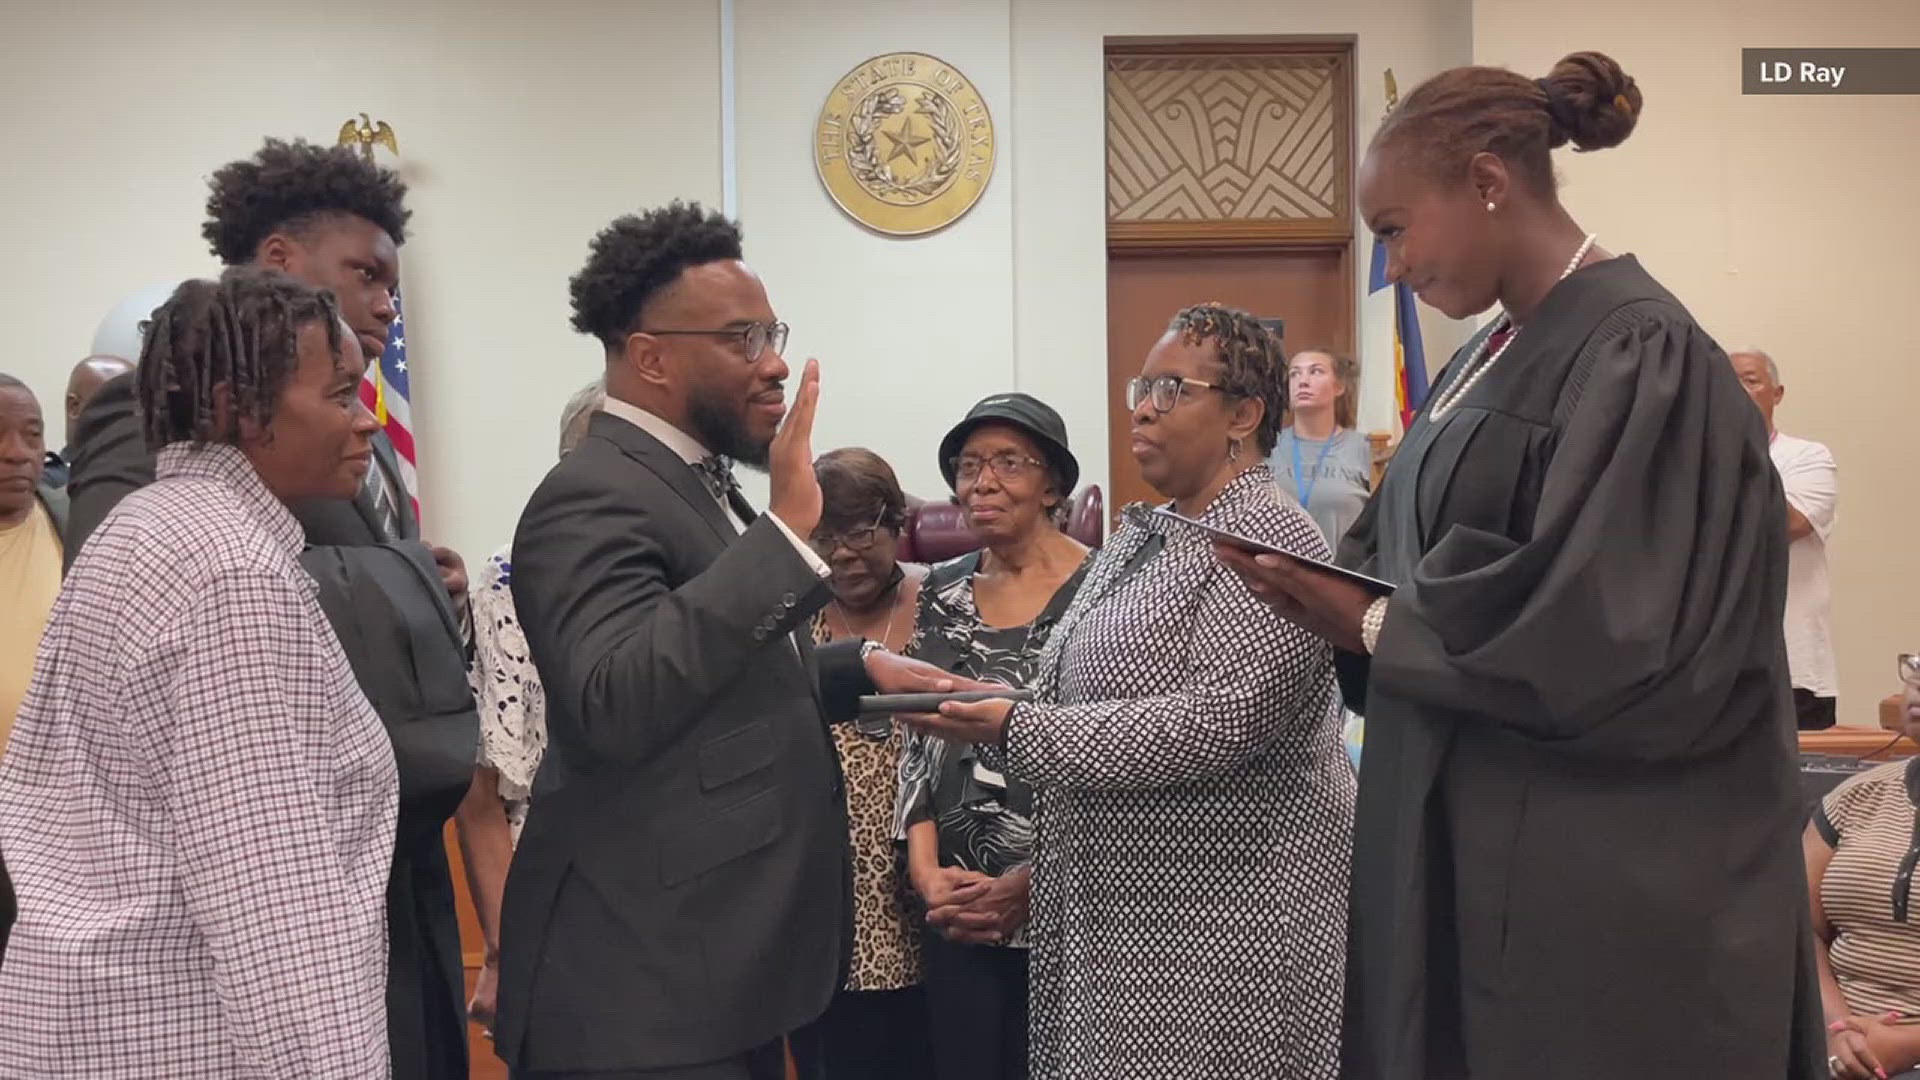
522,130
1783,223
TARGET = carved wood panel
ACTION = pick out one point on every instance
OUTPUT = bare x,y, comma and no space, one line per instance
1242,143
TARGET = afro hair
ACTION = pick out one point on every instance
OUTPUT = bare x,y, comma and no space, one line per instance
287,186
637,256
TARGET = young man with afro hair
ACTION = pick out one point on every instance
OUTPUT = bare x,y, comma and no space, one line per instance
323,215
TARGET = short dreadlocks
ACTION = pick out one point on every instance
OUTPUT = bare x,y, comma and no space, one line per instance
1250,357
241,331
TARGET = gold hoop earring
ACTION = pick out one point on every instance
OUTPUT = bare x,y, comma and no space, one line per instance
1233,451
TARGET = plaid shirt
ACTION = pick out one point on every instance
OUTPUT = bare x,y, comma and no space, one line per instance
197,807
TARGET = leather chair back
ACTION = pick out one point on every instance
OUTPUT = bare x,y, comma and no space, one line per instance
936,531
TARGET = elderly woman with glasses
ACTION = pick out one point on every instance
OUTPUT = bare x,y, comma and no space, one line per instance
1861,848
1196,805
876,1026
968,828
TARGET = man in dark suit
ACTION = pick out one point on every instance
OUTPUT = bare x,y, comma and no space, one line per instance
680,897
336,221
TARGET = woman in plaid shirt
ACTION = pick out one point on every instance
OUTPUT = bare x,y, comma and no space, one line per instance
198,803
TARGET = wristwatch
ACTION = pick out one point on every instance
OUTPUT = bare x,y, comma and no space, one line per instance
1371,622
869,647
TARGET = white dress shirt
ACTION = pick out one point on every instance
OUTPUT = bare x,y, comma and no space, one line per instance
693,453
1811,481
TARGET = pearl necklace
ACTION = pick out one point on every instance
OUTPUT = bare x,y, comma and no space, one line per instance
1475,367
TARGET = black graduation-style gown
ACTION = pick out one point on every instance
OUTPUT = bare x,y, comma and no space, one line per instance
1577,840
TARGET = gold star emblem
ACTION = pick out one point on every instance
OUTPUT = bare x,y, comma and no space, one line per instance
905,143
931,116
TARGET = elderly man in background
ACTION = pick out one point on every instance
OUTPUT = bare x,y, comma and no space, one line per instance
87,378
32,517
1812,485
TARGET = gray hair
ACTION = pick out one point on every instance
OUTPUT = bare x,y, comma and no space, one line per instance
579,409
1773,369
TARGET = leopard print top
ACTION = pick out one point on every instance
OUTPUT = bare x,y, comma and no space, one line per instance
886,934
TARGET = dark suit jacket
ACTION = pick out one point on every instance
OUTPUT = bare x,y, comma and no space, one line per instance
397,630
681,890
110,460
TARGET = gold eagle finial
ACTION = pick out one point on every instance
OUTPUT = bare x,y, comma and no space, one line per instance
1393,91
364,134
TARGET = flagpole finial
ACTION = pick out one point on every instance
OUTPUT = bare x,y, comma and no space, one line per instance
364,134
1393,91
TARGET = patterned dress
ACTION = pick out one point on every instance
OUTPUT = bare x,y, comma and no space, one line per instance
984,823
1194,817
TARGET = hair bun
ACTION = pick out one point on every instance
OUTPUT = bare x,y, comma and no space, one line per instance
1593,103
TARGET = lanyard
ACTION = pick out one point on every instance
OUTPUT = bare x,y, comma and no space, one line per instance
1303,486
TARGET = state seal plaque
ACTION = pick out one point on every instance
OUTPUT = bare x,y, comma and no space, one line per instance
904,144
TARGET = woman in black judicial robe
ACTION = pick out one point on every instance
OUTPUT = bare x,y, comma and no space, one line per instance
1575,845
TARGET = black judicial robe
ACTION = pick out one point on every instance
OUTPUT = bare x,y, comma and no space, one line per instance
1577,841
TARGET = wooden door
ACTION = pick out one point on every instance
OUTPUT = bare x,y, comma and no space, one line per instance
1309,288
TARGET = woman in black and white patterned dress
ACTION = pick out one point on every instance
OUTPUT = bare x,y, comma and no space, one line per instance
1195,804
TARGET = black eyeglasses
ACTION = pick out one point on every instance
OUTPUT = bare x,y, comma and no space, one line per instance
861,539
1164,391
752,340
1006,465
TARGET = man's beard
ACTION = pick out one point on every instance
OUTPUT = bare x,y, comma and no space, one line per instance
721,426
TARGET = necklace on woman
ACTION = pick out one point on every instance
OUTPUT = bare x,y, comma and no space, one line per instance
878,728
1480,362
893,607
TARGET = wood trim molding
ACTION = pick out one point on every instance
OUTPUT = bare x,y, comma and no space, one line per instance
1865,743
1241,235
1232,45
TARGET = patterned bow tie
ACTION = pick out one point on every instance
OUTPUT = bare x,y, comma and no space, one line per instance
716,472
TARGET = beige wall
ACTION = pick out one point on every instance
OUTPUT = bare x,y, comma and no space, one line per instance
523,129
1783,223
908,331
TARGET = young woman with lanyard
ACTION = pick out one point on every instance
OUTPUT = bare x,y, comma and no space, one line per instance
1320,398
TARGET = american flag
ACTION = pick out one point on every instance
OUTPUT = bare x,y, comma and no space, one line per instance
386,394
